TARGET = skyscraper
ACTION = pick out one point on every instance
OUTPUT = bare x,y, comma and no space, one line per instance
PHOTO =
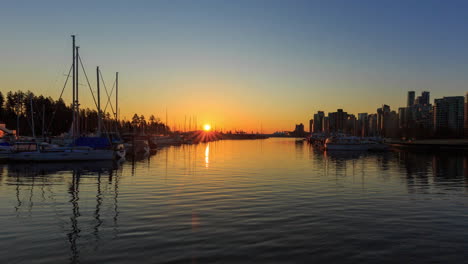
410,101
372,125
424,99
402,117
363,127
318,122
466,115
337,121
449,116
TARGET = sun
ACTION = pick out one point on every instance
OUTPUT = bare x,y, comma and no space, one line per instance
207,127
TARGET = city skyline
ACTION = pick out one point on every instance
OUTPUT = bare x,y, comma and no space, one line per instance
261,65
447,117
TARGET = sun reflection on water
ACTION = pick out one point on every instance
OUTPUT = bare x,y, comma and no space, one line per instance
207,155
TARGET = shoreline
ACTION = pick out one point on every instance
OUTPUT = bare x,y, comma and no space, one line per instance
432,144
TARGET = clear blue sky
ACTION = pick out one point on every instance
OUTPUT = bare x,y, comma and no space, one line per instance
241,63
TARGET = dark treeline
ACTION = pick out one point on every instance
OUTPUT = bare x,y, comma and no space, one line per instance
54,117
141,125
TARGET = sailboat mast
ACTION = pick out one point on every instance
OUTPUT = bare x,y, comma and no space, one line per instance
73,84
98,101
117,96
77,105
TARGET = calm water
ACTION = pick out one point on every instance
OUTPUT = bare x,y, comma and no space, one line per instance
238,201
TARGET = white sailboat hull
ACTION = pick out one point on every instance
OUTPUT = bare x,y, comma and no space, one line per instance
351,147
73,155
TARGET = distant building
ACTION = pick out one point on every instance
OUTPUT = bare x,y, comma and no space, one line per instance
351,126
326,125
318,122
337,121
410,100
311,126
449,116
424,98
373,131
402,117
299,131
416,120
382,116
390,128
466,115
300,128
362,125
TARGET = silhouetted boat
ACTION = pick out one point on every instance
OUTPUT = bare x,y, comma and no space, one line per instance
33,151
82,148
354,144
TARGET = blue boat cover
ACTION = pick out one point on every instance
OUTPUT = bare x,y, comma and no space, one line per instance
4,144
93,142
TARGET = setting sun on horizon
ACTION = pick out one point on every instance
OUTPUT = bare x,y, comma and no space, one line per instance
207,127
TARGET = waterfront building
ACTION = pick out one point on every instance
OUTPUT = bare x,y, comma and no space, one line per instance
373,131
326,125
402,117
311,124
337,121
410,100
424,117
424,98
318,122
390,128
351,126
466,115
362,125
416,119
382,116
299,130
449,116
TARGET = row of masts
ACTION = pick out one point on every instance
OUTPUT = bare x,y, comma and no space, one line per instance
75,130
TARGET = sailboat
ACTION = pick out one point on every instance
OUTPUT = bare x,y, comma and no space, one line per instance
82,148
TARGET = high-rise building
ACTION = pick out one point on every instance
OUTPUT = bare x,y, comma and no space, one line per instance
402,117
373,131
425,98
410,100
449,116
318,122
382,115
311,124
416,120
466,115
351,126
363,124
299,130
326,125
390,128
337,121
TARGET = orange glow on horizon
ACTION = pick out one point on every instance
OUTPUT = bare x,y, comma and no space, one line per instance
207,127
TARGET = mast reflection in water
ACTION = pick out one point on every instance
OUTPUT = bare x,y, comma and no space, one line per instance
260,201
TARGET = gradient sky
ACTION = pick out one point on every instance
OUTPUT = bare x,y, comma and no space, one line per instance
241,64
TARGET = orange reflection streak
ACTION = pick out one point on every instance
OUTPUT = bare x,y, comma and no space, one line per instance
207,155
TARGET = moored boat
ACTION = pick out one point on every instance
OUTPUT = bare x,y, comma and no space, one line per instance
166,140
353,144
33,151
